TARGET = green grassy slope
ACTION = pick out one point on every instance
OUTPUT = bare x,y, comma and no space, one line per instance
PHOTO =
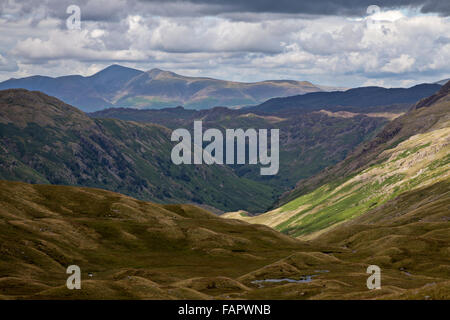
429,113
407,237
403,163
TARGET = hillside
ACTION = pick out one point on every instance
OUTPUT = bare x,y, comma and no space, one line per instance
309,142
44,140
133,249
118,86
418,120
411,153
130,249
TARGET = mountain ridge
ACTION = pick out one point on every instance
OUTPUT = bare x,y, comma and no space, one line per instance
118,86
356,99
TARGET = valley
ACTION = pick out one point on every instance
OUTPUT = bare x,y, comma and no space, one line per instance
130,249
198,159
383,199
65,146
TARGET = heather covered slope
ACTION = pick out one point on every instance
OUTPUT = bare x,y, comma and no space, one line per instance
44,140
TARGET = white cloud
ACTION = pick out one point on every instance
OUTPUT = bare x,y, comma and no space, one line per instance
388,47
401,64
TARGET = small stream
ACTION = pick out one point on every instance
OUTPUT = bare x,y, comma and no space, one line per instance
303,279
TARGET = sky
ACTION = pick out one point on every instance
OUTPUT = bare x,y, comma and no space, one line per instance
343,43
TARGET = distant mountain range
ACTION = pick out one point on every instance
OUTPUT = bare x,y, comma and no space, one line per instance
365,99
358,100
118,86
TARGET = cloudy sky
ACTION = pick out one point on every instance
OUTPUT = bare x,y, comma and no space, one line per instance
329,42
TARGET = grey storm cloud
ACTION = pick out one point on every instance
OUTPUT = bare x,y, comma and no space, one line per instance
114,10
316,7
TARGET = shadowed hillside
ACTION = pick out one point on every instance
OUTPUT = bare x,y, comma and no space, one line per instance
365,99
44,140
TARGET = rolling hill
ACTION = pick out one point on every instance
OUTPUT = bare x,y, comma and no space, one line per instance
130,249
442,82
88,93
118,86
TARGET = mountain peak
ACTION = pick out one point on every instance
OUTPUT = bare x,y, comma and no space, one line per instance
155,70
115,69
121,86
158,72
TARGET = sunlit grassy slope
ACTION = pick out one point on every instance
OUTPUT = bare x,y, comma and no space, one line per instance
422,160
407,237
411,162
